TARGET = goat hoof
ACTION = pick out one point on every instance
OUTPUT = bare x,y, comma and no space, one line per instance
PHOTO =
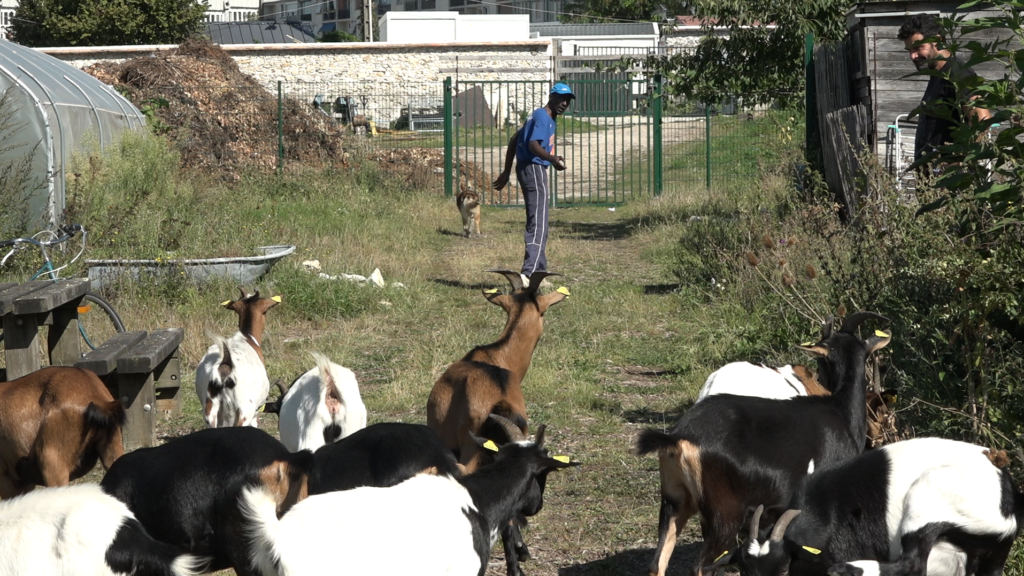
522,553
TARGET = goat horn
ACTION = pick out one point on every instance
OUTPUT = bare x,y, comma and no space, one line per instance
826,329
511,430
536,278
780,527
539,438
513,278
855,320
755,522
242,290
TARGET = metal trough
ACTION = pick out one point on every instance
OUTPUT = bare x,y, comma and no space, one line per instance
243,269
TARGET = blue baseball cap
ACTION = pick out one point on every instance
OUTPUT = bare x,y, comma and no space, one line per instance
561,88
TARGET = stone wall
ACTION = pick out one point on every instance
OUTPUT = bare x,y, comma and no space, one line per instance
383,81
358,61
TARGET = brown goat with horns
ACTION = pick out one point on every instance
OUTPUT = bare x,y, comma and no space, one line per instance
54,424
482,393
487,380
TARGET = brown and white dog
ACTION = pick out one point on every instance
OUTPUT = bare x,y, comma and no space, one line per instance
469,206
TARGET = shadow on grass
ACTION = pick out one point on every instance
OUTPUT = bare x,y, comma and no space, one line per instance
447,232
633,562
659,289
651,417
458,284
616,230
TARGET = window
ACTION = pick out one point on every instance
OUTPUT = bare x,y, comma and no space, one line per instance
383,6
454,3
344,12
410,5
427,4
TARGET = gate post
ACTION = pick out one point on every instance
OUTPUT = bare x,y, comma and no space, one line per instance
448,136
657,136
707,146
280,129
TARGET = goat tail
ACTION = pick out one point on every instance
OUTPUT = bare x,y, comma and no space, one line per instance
105,416
653,440
259,513
189,565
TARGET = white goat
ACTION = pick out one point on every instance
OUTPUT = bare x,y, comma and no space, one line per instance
321,407
81,531
746,379
454,522
231,382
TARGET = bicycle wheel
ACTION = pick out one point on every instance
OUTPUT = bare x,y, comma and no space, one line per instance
97,321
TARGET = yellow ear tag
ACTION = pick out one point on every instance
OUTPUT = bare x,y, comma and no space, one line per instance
261,408
490,445
276,298
562,459
881,334
722,555
563,290
807,344
491,291
225,303
811,550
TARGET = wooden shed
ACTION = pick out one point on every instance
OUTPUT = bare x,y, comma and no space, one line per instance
864,90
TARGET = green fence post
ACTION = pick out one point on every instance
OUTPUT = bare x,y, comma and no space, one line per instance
280,129
448,136
811,102
657,136
707,146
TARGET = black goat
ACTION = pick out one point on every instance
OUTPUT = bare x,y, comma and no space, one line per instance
729,453
380,455
186,492
920,506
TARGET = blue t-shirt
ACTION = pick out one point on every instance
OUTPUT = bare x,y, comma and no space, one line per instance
541,127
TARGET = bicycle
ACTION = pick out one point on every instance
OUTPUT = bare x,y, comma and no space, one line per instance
96,327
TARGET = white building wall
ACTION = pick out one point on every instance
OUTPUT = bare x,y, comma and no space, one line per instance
438,27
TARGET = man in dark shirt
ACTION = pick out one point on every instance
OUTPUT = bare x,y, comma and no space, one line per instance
533,148
934,131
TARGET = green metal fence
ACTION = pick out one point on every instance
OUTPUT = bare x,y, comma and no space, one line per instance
610,138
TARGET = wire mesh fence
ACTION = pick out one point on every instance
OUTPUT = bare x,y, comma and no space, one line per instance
618,139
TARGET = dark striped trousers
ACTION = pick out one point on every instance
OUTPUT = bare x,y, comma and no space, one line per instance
534,180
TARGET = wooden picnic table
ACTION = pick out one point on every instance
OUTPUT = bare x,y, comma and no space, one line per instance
142,369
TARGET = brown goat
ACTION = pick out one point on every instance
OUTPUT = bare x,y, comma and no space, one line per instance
469,206
54,424
487,380
252,316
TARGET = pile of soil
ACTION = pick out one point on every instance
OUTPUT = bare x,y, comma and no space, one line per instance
424,167
217,116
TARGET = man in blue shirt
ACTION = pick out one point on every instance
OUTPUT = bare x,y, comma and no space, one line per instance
533,148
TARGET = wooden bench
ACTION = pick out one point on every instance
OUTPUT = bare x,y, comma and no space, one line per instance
27,306
144,371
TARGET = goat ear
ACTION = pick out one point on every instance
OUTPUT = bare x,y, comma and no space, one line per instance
819,350
878,340
550,299
484,443
494,296
727,558
559,462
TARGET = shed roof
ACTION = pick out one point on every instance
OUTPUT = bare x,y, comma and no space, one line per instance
557,29
261,32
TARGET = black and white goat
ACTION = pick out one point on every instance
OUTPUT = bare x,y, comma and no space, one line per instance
231,379
924,506
453,522
80,531
381,455
730,453
746,379
186,491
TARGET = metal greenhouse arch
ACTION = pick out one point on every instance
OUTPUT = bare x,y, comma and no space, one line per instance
58,110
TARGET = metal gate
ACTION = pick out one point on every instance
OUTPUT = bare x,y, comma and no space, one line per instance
610,138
